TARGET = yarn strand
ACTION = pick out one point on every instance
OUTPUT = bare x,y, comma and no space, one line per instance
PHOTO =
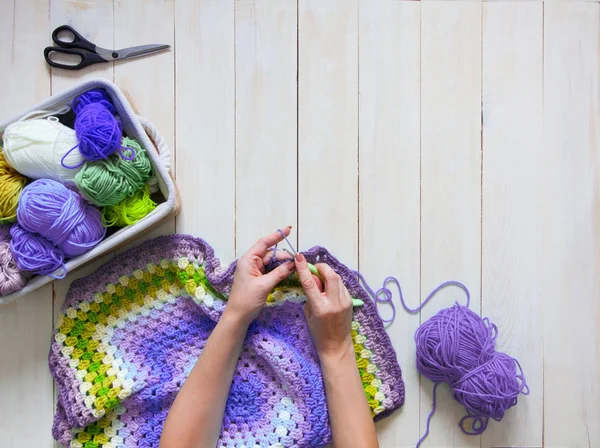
388,295
456,346
430,416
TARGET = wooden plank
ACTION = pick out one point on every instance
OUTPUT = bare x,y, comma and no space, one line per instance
205,80
512,230
450,178
25,325
149,81
266,145
390,180
571,201
328,126
93,20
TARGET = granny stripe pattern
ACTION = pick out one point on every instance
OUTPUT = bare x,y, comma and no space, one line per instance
130,333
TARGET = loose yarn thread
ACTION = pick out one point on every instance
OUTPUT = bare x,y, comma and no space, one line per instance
12,279
60,215
11,185
457,346
107,182
35,254
35,148
130,210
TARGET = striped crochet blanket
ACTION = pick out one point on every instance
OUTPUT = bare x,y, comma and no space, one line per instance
130,333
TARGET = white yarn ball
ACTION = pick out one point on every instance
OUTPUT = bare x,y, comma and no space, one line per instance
36,147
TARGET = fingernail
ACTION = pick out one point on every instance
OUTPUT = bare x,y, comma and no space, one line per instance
299,257
289,227
291,265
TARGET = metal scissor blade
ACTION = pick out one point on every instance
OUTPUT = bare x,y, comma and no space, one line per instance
132,52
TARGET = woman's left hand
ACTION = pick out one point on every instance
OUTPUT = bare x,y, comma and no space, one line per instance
251,282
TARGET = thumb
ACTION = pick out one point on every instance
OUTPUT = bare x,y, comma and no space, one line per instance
278,274
313,294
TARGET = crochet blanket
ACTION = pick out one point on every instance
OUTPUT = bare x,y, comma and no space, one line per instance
130,333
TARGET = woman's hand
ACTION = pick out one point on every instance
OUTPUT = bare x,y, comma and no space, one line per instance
329,317
251,282
329,312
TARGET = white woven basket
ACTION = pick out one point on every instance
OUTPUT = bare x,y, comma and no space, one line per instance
149,137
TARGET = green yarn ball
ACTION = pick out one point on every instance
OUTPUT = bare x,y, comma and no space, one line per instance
130,210
107,182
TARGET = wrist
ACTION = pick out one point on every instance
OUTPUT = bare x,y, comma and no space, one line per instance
334,354
235,318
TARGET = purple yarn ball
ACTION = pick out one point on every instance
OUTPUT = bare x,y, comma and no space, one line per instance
92,96
98,132
34,253
86,235
60,215
12,278
456,346
4,232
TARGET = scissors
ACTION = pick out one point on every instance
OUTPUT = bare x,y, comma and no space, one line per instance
90,53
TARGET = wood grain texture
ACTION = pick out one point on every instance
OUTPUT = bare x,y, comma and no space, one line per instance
94,21
571,256
450,178
328,126
25,325
205,122
149,81
361,121
389,154
512,186
266,138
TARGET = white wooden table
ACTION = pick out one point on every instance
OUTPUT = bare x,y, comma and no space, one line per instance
432,140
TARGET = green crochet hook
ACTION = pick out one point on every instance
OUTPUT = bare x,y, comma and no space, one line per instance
356,303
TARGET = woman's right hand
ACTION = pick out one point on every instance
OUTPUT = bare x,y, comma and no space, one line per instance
328,312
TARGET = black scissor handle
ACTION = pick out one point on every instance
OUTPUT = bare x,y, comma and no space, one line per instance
86,57
78,40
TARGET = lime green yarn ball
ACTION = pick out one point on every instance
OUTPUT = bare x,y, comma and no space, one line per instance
130,210
107,182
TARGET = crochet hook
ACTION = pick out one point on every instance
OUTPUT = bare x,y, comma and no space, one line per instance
356,303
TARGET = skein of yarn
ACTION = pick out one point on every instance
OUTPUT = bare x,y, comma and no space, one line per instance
92,96
107,182
11,185
98,133
457,347
130,210
61,216
36,147
35,254
12,279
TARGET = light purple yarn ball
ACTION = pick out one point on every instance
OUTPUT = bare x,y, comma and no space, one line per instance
34,253
12,279
60,215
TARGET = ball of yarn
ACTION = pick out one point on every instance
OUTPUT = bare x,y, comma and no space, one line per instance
456,346
36,147
107,182
98,132
35,253
11,185
92,96
12,278
61,216
130,210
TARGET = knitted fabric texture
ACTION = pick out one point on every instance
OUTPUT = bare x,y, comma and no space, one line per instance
130,334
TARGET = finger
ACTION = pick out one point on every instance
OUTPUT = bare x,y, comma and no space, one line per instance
261,247
318,282
331,279
279,255
313,294
278,274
